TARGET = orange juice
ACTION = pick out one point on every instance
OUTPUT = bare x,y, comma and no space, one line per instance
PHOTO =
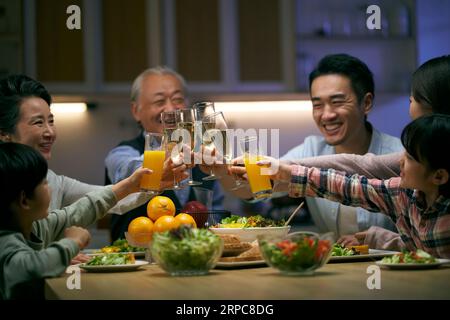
153,160
259,184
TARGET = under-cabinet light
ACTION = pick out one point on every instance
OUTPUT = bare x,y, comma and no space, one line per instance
72,107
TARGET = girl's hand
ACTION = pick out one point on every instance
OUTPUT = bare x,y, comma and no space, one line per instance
275,168
356,239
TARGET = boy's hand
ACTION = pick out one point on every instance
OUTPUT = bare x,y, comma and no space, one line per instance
80,235
80,258
131,184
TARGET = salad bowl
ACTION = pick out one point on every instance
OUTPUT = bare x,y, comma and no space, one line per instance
249,228
186,251
298,253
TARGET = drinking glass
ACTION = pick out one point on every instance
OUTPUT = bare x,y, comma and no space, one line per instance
185,120
170,125
202,109
259,184
154,156
217,138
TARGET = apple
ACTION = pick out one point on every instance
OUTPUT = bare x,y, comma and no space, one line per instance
194,207
198,211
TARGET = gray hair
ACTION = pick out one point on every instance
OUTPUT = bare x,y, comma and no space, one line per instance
159,70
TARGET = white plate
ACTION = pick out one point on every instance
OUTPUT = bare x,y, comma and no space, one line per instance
96,252
114,268
374,254
240,264
403,266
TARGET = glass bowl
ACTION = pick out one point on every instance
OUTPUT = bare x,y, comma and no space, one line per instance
186,251
298,253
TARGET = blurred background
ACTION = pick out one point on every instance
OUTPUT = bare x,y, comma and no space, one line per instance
228,51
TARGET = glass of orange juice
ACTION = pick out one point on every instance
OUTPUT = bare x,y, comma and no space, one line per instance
154,156
260,184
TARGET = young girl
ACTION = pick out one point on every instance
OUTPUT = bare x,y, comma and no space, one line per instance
418,201
35,244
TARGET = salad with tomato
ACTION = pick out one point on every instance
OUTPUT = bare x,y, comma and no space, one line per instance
295,255
418,256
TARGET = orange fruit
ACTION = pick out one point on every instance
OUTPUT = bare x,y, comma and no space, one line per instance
165,223
184,218
140,230
160,206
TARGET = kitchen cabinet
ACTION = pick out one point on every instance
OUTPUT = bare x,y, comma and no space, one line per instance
327,27
11,43
219,46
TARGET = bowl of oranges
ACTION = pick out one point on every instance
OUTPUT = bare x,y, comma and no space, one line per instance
161,217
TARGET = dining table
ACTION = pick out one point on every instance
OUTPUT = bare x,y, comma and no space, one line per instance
344,281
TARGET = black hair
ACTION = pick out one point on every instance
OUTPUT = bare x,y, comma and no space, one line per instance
427,140
13,90
22,168
431,84
361,78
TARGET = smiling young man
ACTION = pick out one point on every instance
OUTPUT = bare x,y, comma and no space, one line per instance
154,91
342,94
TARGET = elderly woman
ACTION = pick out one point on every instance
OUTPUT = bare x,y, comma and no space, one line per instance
25,117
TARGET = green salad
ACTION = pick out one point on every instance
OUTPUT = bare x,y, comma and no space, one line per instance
250,222
111,259
418,256
341,251
186,249
121,245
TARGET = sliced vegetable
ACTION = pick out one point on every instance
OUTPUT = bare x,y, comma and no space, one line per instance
418,256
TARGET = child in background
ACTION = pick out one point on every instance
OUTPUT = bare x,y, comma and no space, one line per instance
418,201
35,244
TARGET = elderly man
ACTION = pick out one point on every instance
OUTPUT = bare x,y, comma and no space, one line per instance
154,91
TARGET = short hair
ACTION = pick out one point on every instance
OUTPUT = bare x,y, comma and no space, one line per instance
13,90
427,140
22,168
159,70
361,78
431,84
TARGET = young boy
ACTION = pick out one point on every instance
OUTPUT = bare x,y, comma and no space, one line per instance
35,244
418,201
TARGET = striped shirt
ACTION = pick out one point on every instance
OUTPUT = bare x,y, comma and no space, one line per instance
420,227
